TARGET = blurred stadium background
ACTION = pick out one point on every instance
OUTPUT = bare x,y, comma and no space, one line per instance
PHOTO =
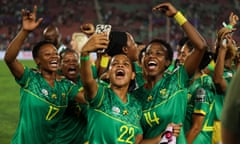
134,16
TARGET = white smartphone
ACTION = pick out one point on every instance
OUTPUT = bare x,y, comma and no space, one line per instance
100,28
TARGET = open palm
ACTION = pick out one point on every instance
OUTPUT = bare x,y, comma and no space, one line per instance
29,22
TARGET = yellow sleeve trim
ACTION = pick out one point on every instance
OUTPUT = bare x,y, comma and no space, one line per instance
200,112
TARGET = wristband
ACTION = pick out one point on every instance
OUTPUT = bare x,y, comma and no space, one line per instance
180,18
85,58
227,26
80,89
211,66
104,61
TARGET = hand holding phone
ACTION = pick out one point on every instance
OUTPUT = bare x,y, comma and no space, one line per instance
103,28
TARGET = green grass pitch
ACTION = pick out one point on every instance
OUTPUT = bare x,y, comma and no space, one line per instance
9,102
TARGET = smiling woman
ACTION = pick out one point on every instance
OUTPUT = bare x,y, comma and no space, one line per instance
164,95
44,95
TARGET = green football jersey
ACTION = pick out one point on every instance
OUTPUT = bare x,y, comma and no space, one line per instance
164,104
73,125
41,108
110,121
202,93
219,97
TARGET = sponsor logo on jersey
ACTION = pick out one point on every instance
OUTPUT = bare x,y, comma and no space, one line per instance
54,96
150,98
125,112
163,93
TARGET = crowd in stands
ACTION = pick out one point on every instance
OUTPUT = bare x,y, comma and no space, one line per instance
133,15
159,76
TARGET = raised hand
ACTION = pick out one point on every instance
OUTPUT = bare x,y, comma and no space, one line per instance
29,22
222,33
166,8
227,42
233,19
87,28
96,42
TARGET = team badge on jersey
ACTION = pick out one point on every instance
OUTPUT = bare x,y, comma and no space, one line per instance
201,94
163,93
125,112
54,96
115,110
44,92
150,98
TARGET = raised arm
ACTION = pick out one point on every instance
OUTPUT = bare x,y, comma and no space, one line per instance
197,40
29,23
95,42
196,127
224,44
224,52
